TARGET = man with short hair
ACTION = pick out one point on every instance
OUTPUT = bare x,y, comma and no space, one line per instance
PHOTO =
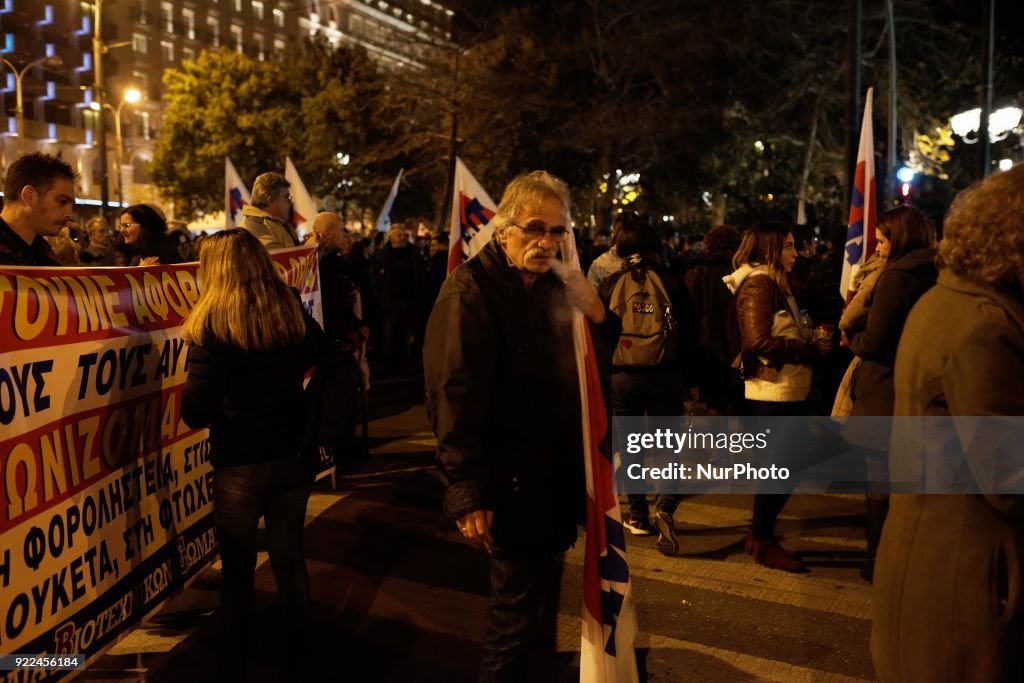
503,397
269,216
39,199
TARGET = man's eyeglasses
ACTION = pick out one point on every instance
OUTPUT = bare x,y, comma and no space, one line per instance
536,230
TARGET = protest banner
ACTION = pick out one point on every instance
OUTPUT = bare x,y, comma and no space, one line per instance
105,494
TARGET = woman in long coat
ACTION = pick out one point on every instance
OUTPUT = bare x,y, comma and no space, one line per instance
949,579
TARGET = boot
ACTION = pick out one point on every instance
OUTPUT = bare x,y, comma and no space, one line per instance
771,554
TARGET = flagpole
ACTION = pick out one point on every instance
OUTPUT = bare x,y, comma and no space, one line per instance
453,145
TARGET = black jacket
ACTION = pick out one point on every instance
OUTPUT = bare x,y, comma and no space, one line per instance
14,251
714,308
503,400
252,401
899,287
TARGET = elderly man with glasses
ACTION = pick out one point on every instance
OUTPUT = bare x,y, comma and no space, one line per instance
269,217
503,399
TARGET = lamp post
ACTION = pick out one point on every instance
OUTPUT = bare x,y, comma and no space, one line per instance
19,112
130,96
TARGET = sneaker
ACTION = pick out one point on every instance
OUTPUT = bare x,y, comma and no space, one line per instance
774,556
667,544
638,526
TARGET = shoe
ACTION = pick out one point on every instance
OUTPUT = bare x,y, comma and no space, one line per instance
667,544
774,556
749,542
638,526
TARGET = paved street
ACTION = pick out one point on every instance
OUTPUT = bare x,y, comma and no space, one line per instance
399,597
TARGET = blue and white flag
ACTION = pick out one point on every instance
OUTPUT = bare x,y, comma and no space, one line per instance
384,219
236,195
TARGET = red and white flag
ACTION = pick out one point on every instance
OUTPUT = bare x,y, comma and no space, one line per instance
302,204
609,624
860,235
236,195
470,224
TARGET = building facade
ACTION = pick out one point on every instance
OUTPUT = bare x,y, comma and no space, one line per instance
142,38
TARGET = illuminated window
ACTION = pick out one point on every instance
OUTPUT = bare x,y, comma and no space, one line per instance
189,18
257,10
278,18
140,45
213,27
236,39
167,50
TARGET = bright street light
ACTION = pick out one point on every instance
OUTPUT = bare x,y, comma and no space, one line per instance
131,95
1000,123
19,112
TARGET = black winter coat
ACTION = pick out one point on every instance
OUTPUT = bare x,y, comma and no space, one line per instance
899,287
251,401
503,400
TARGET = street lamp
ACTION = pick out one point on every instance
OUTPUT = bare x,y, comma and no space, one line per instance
130,96
19,112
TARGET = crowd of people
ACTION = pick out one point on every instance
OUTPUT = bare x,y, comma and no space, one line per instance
742,324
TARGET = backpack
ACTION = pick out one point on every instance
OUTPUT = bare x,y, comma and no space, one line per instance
648,334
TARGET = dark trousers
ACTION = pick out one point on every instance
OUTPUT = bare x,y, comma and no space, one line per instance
654,392
768,506
521,588
398,333
277,490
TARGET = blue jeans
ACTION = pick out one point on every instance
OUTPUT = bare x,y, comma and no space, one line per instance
277,490
521,587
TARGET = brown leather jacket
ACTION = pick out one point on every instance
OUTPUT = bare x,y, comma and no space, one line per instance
757,301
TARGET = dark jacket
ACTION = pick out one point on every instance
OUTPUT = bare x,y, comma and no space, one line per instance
15,252
898,288
336,298
252,401
714,308
164,248
398,276
503,399
947,597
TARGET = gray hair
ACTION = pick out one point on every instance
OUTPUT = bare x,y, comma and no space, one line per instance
523,191
266,187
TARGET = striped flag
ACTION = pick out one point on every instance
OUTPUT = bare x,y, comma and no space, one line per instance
860,235
470,225
609,616
236,195
384,219
302,203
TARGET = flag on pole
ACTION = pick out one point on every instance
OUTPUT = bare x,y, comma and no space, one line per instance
384,219
302,203
860,233
472,210
609,624
236,195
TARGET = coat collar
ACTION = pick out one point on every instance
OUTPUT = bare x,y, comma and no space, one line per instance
954,282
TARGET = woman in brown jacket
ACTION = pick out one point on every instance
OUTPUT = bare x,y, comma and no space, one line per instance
949,578
777,353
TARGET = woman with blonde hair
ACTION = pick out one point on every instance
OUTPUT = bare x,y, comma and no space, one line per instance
776,355
250,345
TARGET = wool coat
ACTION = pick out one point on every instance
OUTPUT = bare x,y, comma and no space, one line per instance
949,579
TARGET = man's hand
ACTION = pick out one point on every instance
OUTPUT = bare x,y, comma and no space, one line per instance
149,261
475,527
582,295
